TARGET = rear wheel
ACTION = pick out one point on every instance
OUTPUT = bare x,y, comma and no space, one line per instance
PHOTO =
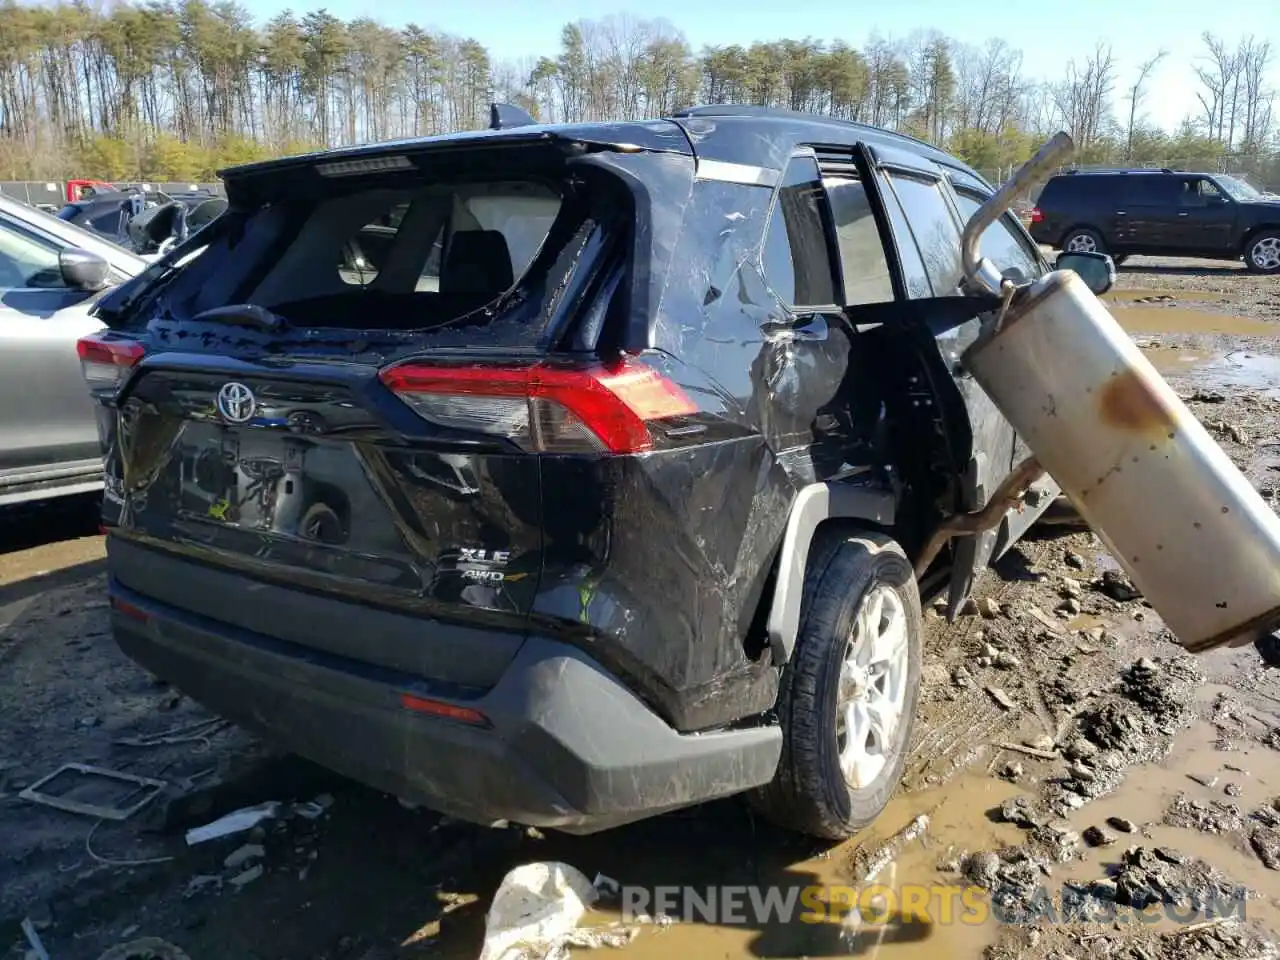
1262,253
1083,240
848,698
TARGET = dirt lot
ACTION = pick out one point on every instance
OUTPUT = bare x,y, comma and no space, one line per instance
1065,745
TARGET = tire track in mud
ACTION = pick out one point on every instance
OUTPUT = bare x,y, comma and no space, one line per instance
972,722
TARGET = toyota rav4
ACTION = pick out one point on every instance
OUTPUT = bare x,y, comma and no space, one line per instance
565,474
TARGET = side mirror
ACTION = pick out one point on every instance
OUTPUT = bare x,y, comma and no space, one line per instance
1097,270
82,270
1216,201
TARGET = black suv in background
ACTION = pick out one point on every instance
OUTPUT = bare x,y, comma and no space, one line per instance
1159,213
593,485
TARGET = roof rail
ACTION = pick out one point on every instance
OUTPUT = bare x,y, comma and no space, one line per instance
1121,170
778,113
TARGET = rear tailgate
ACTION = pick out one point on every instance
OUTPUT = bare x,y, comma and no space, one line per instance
331,514
265,473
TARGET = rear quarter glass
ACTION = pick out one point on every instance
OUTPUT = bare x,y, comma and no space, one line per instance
1056,192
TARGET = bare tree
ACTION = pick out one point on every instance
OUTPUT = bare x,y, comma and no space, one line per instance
1219,77
1255,63
177,88
1135,97
1083,99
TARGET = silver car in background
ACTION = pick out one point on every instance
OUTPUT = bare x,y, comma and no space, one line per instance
51,275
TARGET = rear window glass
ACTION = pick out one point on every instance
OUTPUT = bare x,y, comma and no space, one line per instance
404,257
1156,189
522,213
1076,188
474,239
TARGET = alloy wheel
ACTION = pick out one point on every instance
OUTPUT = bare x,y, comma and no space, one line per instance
873,687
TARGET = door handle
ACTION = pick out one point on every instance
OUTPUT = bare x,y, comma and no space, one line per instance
1183,213
1121,213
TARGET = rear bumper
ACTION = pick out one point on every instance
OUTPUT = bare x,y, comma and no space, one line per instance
567,746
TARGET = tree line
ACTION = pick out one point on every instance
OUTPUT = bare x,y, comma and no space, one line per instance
173,89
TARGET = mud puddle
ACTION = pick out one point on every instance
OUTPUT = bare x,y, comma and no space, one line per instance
1236,370
1180,341
965,819
1174,318
824,888
1199,772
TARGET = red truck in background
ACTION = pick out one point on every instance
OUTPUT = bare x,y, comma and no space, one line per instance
79,189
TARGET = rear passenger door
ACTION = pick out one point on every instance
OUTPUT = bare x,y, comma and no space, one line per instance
1149,210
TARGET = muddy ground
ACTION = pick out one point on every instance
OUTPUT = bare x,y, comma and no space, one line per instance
1065,748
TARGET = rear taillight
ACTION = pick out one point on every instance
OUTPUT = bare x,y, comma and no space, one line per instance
438,708
1036,215
127,609
106,362
542,407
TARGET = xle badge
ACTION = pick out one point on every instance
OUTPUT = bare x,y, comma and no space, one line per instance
480,563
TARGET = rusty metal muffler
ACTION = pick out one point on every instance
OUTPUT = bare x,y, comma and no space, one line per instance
1180,518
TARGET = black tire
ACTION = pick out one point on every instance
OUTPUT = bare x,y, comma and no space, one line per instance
1084,233
809,793
1268,240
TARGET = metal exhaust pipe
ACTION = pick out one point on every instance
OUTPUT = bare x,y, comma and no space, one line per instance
1178,516
981,273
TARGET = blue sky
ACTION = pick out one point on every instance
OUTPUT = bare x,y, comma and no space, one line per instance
1049,32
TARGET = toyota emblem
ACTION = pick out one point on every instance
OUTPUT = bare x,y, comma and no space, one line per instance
236,402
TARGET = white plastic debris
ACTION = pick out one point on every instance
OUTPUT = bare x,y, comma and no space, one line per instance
237,821
536,908
593,938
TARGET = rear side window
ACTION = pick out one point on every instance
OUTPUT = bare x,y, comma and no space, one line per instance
1073,189
862,259
1056,192
934,228
1151,189
796,257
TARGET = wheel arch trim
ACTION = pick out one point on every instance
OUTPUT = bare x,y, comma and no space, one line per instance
813,506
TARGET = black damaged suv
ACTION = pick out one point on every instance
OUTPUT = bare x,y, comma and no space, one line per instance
564,474
1159,213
